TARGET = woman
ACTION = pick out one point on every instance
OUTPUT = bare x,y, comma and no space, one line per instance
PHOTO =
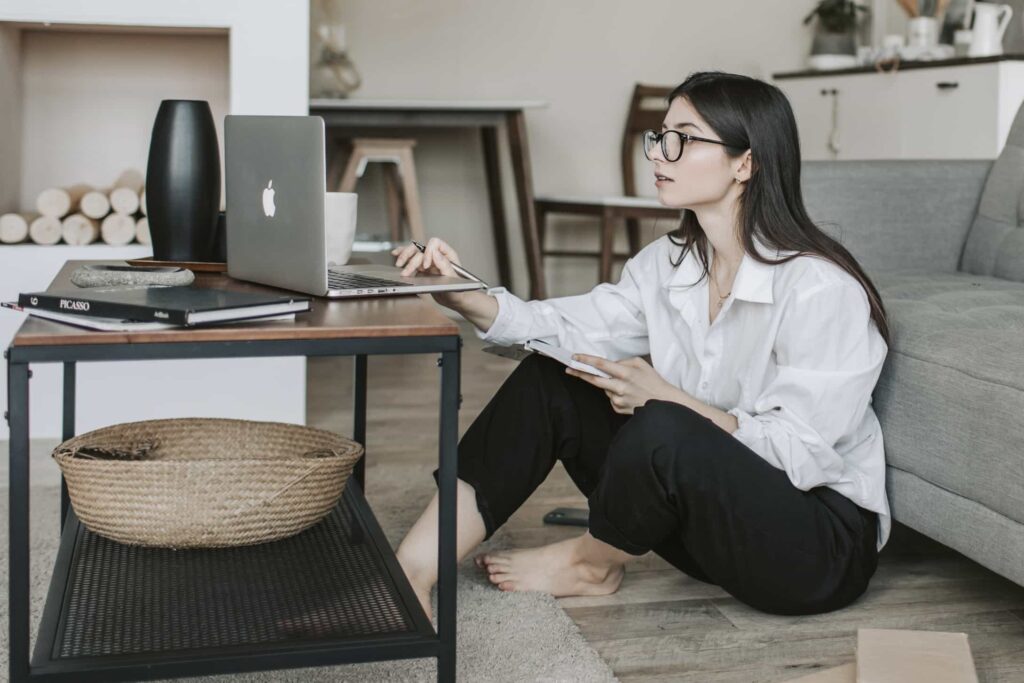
748,454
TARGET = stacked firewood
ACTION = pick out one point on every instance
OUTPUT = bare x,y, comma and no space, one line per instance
82,214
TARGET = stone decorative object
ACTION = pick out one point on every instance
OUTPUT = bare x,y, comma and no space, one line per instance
89,277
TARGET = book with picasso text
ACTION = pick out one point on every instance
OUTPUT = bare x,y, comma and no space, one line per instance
172,305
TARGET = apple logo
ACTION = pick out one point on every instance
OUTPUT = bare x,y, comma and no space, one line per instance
268,200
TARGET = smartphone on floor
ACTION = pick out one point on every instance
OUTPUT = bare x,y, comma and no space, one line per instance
568,516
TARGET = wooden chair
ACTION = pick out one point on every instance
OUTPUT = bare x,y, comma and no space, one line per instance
646,110
399,180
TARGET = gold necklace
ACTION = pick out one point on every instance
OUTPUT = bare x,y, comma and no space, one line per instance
722,297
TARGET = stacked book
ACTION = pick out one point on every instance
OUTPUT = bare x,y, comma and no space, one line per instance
147,307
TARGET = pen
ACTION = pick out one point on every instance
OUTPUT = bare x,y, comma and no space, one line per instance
455,266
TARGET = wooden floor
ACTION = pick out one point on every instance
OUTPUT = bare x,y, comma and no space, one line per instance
662,625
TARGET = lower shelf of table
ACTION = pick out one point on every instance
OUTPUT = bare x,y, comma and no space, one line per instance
332,594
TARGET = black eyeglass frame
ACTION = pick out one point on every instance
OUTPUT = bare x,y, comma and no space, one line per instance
659,139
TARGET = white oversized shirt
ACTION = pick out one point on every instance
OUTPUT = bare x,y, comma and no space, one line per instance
793,354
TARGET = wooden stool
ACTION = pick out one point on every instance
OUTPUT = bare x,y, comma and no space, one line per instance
399,180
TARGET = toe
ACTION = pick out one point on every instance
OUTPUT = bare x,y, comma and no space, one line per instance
497,579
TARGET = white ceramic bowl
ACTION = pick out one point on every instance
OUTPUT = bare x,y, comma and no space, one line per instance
831,62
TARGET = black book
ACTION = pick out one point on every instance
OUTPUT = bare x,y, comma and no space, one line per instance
173,305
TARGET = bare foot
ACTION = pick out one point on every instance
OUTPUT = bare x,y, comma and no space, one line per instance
557,569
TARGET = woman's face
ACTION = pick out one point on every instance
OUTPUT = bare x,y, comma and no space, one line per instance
704,174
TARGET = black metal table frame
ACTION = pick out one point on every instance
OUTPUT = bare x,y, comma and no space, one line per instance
232,660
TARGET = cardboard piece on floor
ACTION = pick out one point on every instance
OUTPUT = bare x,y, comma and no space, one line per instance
892,656
847,673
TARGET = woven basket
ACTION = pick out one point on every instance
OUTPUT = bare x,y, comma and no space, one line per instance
204,483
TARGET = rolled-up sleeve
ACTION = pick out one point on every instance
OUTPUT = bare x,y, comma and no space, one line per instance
829,356
608,321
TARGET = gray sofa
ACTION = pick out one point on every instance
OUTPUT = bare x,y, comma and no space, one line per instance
944,244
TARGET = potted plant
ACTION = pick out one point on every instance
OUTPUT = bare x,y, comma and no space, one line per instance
836,30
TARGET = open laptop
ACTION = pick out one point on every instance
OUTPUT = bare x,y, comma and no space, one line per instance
275,185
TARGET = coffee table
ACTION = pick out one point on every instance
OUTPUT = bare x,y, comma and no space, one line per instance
118,612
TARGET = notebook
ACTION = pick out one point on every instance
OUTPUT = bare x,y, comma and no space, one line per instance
179,306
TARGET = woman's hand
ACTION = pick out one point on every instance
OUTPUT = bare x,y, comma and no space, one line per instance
633,382
436,259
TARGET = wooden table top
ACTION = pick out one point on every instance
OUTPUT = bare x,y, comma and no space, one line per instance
377,317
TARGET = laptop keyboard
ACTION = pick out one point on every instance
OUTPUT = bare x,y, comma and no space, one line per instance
336,280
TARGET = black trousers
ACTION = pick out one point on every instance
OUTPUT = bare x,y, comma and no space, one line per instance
668,479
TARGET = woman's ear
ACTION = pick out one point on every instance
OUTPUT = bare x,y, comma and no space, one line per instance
744,167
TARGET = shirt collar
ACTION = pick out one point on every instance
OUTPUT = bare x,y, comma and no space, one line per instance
753,279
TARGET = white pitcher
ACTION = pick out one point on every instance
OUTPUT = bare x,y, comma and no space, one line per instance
990,22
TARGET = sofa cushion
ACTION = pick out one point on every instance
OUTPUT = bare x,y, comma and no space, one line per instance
951,395
897,214
995,244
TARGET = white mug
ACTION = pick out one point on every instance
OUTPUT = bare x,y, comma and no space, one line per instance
339,226
923,32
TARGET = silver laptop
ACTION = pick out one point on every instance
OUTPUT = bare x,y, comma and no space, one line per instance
276,236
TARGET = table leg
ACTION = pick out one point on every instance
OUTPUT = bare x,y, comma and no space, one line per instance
446,559
633,230
68,432
607,243
492,168
359,417
520,152
18,548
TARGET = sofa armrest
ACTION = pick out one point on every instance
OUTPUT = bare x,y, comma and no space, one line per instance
895,215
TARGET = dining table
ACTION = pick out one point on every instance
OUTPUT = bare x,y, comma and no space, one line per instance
347,117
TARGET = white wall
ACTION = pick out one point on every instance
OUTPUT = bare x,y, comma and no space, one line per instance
581,56
269,45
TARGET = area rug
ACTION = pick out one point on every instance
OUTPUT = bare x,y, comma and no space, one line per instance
501,636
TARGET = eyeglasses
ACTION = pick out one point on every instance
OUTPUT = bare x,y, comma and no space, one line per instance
672,142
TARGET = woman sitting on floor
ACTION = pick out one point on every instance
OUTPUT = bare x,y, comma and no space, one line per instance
746,453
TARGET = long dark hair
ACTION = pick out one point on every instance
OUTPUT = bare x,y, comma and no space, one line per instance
750,114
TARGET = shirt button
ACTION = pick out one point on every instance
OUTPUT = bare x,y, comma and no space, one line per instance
703,385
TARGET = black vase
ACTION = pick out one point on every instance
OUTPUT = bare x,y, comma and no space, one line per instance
183,181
